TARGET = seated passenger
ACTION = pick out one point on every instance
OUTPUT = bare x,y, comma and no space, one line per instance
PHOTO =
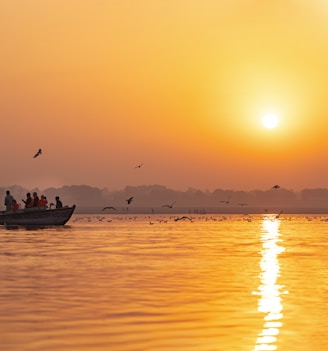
43,201
29,201
15,205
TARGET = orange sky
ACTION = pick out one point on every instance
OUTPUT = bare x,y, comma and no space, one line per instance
180,86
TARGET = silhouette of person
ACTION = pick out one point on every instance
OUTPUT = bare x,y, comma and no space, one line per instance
59,204
43,201
15,205
35,199
29,201
8,201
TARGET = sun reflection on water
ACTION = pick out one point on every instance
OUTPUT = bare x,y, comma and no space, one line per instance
269,291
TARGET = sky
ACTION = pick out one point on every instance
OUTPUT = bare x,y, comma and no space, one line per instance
179,86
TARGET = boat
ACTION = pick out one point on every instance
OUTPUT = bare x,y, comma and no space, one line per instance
37,216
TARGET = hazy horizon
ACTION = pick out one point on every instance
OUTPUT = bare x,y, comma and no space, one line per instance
186,189
181,87
160,199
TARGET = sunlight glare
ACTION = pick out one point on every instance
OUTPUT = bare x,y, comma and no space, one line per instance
270,120
269,291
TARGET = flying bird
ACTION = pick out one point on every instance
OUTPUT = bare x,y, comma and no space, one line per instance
278,215
276,187
139,166
38,153
227,201
129,200
109,208
170,206
182,218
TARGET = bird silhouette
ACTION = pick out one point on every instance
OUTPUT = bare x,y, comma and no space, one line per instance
38,153
109,208
278,215
139,166
129,200
182,218
227,201
170,206
276,187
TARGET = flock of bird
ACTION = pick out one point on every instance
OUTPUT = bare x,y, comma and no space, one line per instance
130,199
227,201
164,219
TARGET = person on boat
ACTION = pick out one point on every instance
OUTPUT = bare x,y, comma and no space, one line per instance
59,204
43,201
29,201
35,199
15,205
8,201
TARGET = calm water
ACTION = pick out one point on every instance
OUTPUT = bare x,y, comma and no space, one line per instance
153,284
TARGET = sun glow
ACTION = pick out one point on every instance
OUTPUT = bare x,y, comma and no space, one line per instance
270,120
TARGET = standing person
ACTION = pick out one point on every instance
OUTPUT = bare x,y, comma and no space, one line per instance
59,204
35,199
8,201
29,201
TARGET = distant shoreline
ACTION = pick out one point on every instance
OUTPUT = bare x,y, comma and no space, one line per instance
159,199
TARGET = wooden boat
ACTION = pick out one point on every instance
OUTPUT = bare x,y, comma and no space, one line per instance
36,216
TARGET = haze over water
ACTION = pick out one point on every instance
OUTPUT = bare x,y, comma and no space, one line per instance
149,283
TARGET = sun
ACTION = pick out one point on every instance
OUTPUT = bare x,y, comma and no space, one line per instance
270,120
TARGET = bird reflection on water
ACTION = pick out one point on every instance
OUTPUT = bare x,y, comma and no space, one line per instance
269,291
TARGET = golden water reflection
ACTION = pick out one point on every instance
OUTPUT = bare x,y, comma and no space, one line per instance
269,291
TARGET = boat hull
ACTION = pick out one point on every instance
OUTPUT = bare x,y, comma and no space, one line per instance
37,217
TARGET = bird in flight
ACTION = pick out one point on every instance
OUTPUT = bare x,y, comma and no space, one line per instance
278,215
129,200
227,201
276,187
38,153
109,208
139,165
182,218
170,205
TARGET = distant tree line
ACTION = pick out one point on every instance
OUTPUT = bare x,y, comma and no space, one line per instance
153,198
